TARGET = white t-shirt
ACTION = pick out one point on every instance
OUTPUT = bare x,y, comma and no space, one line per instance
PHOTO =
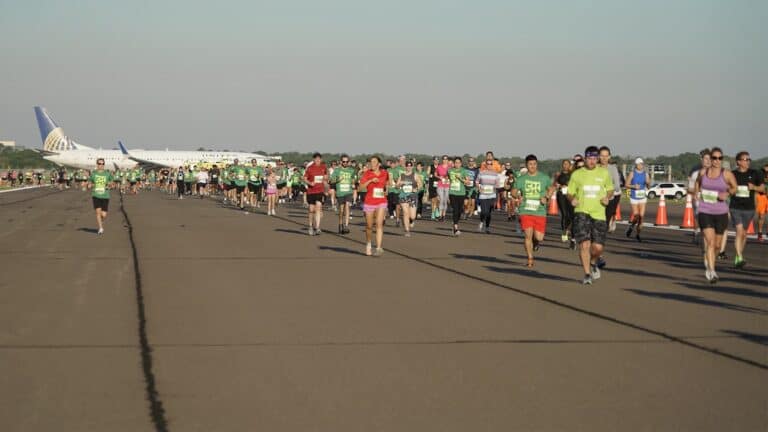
202,177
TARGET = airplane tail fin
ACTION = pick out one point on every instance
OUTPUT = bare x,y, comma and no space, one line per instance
52,135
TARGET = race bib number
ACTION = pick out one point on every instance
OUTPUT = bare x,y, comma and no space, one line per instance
742,191
434,184
709,196
100,189
591,191
407,188
456,186
487,189
344,187
318,179
241,176
564,190
532,204
640,194
378,193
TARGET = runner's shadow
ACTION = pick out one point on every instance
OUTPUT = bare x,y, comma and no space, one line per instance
291,231
528,273
751,337
340,250
89,230
698,300
482,258
725,290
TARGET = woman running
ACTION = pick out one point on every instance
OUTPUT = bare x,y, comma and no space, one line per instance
566,209
487,181
638,183
271,193
458,179
375,204
716,185
443,186
409,183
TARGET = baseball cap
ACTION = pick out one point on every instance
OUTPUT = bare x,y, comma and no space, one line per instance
639,161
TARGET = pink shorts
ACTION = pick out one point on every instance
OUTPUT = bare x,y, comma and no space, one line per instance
368,208
271,190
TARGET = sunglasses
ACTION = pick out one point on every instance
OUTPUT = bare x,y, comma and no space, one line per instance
716,158
344,162
746,159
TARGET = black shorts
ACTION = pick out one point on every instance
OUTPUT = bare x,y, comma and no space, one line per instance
282,185
254,188
472,194
432,193
343,199
133,183
610,209
101,203
718,222
316,198
214,181
585,228
240,189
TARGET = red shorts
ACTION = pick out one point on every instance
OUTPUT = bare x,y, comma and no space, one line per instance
538,223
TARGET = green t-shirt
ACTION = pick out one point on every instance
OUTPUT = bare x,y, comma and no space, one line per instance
344,180
101,180
238,175
532,189
394,174
457,176
590,187
296,177
189,176
255,174
281,175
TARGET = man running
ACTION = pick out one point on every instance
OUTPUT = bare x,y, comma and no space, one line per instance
470,201
533,189
761,204
343,181
100,181
610,210
316,176
590,190
255,175
457,192
240,180
487,182
742,204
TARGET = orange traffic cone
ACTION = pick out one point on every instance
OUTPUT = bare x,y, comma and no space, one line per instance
688,214
751,229
552,211
618,211
661,214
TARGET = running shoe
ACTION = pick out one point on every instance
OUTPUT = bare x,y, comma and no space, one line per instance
379,252
595,272
739,262
715,277
480,227
318,231
587,280
346,229
708,275
612,226
310,231
487,230
407,233
397,222
101,231
600,264
536,245
722,256
368,249
629,230
572,246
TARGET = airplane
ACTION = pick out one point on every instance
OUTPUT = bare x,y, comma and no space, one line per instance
62,150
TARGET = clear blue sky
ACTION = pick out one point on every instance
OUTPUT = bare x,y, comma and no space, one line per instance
644,77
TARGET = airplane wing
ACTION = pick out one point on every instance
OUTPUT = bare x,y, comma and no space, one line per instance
143,164
46,152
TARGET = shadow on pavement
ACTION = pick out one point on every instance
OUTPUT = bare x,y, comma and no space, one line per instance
340,250
725,290
88,230
528,273
698,300
751,337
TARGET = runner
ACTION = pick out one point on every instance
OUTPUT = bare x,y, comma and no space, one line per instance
271,191
281,177
180,185
408,183
420,196
393,192
189,179
533,189
458,179
213,183
316,176
240,179
742,206
375,204
487,182
343,181
255,174
638,184
470,200
590,190
716,185
566,209
618,183
706,162
510,201
100,180
201,177
762,206
434,180
443,186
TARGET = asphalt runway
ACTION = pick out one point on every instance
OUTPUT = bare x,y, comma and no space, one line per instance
190,316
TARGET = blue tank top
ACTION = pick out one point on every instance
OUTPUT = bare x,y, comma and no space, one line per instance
638,178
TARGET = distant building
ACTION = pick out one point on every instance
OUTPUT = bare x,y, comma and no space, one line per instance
7,143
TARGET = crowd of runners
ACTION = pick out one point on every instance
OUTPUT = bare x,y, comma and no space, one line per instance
587,190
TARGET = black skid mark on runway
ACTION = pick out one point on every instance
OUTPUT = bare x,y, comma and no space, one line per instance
156,410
